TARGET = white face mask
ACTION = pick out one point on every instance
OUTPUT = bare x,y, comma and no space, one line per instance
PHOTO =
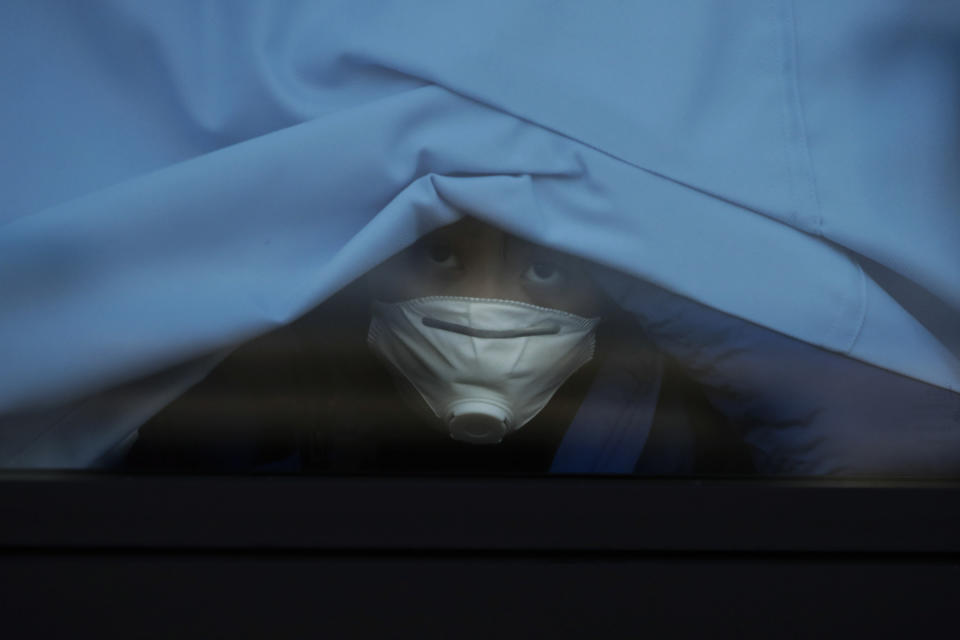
483,367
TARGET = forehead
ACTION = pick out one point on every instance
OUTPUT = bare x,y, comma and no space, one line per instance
468,230
470,234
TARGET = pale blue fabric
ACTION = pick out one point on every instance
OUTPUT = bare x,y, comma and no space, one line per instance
609,432
179,176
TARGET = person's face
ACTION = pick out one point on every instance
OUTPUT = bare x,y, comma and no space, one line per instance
473,259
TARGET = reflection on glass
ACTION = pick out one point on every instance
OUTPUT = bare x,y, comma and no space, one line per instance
474,351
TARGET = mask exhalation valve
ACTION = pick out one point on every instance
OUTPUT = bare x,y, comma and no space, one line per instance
478,422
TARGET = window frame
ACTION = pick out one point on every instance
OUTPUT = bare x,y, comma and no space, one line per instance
89,511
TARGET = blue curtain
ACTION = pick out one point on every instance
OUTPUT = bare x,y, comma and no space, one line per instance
179,177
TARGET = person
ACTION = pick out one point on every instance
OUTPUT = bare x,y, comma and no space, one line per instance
474,351
519,337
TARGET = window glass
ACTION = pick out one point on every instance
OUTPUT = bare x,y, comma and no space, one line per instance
474,351
649,239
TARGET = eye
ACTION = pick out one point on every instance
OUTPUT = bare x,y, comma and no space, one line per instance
544,272
441,255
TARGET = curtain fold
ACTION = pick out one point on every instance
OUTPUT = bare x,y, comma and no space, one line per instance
179,178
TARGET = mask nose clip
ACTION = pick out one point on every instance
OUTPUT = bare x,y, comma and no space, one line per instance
544,329
478,422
